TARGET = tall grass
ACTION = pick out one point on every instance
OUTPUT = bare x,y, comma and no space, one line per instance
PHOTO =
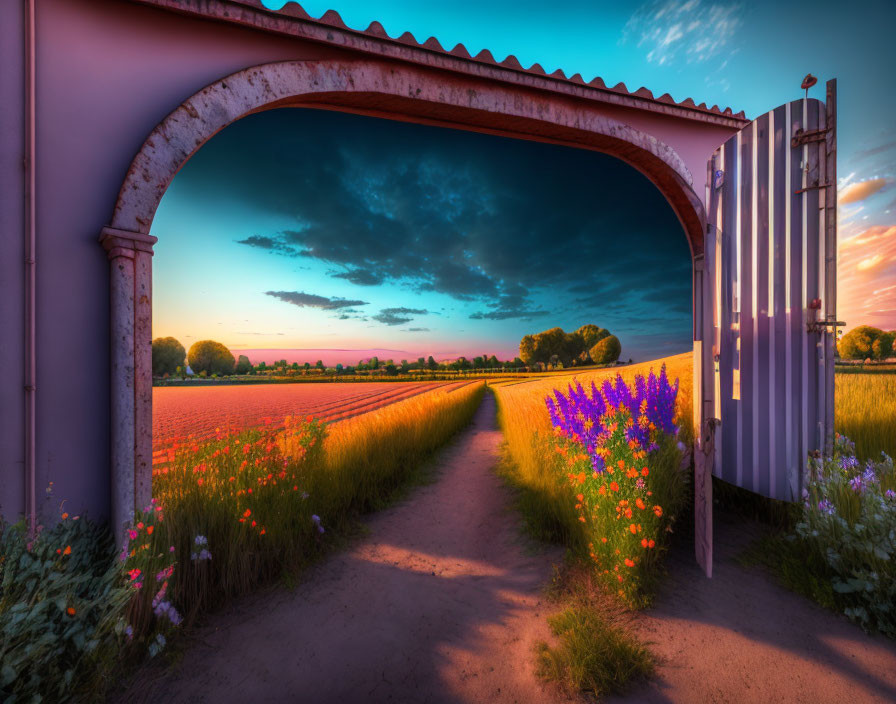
866,412
265,498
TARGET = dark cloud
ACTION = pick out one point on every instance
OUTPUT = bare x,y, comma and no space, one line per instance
519,228
269,243
508,314
360,277
310,300
398,316
417,330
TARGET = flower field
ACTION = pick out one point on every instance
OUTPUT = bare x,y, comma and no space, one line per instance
178,412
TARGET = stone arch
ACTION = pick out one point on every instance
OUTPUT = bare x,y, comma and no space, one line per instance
374,87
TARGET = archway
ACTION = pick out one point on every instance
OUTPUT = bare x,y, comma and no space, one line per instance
374,88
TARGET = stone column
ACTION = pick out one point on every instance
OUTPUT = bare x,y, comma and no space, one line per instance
130,258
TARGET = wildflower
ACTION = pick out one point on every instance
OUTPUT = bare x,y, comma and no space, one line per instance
658,510
171,549
134,573
201,539
825,506
645,472
132,534
629,563
650,543
640,503
64,516
643,542
890,494
315,519
149,530
856,484
247,513
614,486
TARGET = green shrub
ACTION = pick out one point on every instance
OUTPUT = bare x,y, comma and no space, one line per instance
849,526
62,605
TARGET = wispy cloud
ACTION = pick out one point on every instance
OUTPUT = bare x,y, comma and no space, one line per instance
866,269
855,192
690,29
310,300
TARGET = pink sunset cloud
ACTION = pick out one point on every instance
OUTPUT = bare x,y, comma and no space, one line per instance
867,278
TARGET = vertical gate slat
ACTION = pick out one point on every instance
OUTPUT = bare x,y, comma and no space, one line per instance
762,408
778,424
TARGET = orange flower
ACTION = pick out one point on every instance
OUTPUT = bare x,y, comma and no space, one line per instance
70,611
643,542
614,486
629,563
149,530
582,519
581,478
633,528
640,504
64,516
263,531
658,510
68,550
603,490
628,513
603,540
200,481
631,473
644,472
247,513
621,464
580,498
650,543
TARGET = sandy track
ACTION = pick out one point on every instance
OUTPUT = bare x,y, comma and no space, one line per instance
441,603
740,638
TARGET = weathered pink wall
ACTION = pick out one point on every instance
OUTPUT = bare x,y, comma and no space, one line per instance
108,73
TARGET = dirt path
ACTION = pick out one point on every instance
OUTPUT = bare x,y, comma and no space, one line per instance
441,603
739,637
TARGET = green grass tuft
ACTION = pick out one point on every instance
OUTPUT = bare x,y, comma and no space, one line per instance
593,655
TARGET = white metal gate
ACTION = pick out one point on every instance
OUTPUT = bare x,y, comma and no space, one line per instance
770,294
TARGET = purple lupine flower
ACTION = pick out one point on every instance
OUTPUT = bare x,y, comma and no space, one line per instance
849,462
825,506
856,484
890,494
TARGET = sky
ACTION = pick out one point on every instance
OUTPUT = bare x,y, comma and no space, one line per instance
750,56
416,239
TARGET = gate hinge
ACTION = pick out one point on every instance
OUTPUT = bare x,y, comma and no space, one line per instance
812,188
801,137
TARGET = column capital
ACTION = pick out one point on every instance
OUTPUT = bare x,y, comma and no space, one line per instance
123,243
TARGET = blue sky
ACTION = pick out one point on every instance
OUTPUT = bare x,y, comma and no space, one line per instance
749,56
380,234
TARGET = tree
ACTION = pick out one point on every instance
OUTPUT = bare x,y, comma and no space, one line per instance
883,346
374,363
432,364
858,343
606,351
338,369
391,369
210,357
243,365
319,364
167,355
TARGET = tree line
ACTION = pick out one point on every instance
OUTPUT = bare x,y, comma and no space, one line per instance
589,344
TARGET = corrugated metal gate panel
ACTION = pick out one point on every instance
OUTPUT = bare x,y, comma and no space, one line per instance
765,259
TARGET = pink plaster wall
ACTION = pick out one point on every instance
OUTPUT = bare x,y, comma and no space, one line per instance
108,73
